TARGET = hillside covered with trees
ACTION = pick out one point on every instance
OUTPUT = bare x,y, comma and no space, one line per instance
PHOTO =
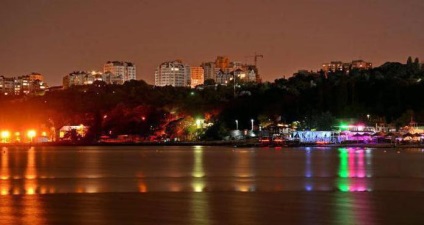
391,93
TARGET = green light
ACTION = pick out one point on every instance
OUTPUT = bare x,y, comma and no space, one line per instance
343,186
344,167
343,183
344,126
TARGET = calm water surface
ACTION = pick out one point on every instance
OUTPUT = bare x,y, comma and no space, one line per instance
211,185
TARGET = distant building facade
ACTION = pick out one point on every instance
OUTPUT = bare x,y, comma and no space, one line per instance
361,64
173,73
209,70
335,66
78,78
196,76
222,62
243,73
125,70
224,70
23,85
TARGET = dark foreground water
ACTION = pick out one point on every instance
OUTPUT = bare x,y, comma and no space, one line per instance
211,185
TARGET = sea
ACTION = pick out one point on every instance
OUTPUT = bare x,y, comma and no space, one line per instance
210,185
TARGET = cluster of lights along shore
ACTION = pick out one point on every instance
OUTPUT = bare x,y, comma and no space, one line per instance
20,137
41,135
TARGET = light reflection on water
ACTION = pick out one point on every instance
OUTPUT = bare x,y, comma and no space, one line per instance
352,170
339,184
351,210
198,183
244,169
200,209
4,172
29,171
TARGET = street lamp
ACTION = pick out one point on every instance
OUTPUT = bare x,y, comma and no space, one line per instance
198,123
5,136
31,134
252,123
236,124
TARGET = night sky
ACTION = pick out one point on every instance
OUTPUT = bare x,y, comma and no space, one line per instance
55,37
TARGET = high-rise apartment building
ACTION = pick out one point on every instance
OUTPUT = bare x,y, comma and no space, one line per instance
222,77
7,85
26,84
78,78
126,70
243,73
222,62
35,76
30,83
335,66
197,76
173,73
340,66
361,64
209,70
222,71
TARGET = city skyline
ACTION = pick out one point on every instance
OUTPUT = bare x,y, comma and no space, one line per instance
57,37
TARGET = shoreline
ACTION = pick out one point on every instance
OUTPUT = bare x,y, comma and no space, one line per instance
235,144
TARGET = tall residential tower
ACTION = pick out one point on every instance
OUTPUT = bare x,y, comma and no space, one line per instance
126,70
197,75
173,73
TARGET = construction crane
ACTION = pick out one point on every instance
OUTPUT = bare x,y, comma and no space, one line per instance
255,57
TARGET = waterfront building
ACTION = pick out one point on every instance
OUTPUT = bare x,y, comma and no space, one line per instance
65,132
125,70
173,73
196,76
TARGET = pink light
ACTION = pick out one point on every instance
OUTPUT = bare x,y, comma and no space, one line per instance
361,165
352,170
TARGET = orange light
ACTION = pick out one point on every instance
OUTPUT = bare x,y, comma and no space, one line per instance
5,134
17,133
44,134
31,133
